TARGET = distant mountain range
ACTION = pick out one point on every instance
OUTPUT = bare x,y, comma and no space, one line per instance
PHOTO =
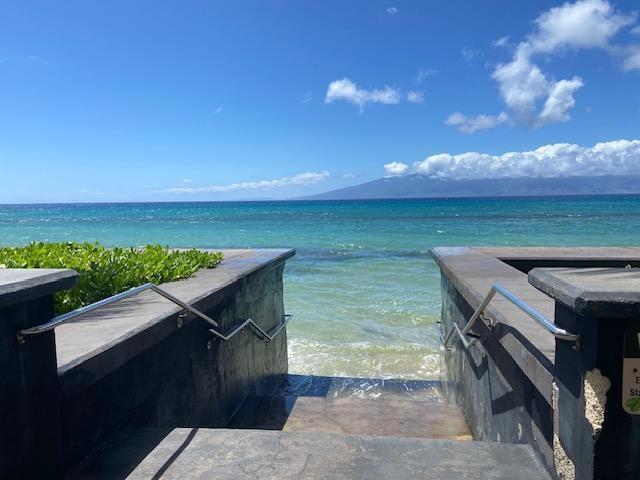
418,186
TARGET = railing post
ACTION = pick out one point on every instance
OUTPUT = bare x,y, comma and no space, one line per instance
29,399
596,425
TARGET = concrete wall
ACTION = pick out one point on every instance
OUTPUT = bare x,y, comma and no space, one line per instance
500,402
189,378
520,384
139,361
30,444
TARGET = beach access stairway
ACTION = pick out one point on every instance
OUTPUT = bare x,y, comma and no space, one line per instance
320,427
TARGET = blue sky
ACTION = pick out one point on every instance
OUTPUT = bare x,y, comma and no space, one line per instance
193,100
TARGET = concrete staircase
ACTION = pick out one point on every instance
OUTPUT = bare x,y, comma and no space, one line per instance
321,428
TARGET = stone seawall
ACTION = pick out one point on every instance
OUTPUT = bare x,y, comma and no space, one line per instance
142,362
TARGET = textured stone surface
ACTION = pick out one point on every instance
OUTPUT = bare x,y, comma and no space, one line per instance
360,387
30,444
86,339
239,454
139,368
504,384
22,284
592,292
383,417
472,274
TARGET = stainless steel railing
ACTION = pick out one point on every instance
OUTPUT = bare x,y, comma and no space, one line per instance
67,317
267,336
539,318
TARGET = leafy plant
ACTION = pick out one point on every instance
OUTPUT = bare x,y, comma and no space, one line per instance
103,272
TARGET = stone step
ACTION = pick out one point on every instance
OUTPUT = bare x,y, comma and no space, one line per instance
359,387
258,454
384,416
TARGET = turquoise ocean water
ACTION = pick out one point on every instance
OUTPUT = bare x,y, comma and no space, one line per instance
364,292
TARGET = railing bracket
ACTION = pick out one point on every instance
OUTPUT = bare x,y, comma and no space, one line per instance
539,318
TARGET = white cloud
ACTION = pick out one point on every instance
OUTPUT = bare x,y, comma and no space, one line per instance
348,91
396,168
560,101
580,25
521,82
631,57
307,97
467,124
501,42
635,30
531,96
392,10
415,96
307,178
468,54
424,74
619,157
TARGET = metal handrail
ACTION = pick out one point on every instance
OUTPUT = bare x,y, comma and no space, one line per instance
539,318
286,318
66,317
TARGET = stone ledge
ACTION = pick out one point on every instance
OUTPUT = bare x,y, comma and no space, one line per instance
592,292
531,347
21,284
101,341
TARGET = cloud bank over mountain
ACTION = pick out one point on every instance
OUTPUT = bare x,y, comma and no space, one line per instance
618,157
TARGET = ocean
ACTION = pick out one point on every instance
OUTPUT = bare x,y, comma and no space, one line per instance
364,292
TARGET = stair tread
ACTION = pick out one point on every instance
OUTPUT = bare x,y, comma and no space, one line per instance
372,388
258,454
385,417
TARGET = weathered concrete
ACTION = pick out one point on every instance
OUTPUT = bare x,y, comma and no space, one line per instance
137,363
239,454
600,305
360,387
500,400
382,417
30,445
518,384
592,292
527,258
22,284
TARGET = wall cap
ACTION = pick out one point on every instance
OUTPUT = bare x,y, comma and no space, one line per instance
592,292
19,285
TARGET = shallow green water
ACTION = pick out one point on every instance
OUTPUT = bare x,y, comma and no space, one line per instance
363,289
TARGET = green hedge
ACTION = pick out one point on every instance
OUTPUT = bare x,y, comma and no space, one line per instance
106,271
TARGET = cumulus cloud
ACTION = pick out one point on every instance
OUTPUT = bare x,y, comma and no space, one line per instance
619,157
415,96
392,10
348,91
396,168
559,101
631,57
531,96
307,178
580,25
521,82
467,124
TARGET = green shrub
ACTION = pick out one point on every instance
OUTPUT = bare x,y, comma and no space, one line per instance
106,271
